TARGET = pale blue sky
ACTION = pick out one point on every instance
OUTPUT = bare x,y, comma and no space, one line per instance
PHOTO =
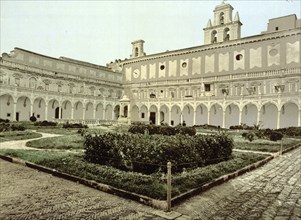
102,31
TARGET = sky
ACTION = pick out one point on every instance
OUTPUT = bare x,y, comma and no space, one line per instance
101,31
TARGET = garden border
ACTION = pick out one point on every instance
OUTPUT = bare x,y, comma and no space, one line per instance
160,204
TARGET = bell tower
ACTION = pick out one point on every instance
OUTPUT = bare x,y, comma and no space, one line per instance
138,50
223,28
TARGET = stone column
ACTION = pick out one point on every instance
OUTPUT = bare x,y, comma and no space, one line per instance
299,118
224,119
159,117
14,111
46,112
72,112
94,113
104,113
84,112
60,111
208,117
181,117
169,117
194,117
31,109
240,117
258,117
278,119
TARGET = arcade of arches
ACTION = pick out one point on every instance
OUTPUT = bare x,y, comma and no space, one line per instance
22,108
267,115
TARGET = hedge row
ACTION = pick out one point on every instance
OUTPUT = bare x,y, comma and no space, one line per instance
7,127
162,129
75,125
148,154
45,123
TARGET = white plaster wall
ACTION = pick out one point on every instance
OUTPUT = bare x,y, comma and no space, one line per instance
293,52
255,57
216,115
172,68
289,115
196,65
4,108
232,116
249,115
201,115
223,62
268,117
209,63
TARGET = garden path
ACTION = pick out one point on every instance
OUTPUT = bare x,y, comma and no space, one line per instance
21,144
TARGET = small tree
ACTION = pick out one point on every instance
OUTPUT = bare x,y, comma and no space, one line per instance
33,118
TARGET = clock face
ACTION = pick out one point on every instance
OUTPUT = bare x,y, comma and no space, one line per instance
136,73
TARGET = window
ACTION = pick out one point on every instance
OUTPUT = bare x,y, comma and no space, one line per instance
221,18
276,28
214,37
162,67
184,65
152,95
142,115
207,87
239,57
226,34
136,52
8,115
38,116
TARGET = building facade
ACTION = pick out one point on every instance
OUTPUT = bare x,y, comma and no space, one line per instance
229,80
57,89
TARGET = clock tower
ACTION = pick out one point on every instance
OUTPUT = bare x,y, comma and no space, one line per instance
138,50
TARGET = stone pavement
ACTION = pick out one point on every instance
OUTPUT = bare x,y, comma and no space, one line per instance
273,191
270,192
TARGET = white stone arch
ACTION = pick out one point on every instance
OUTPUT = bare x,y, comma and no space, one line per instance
7,107
78,109
23,108
175,115
39,108
231,115
164,114
109,112
89,109
153,114
99,111
249,113
135,113
188,114
289,114
216,114
53,112
144,117
66,109
201,114
268,115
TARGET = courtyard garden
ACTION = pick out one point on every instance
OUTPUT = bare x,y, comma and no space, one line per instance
134,158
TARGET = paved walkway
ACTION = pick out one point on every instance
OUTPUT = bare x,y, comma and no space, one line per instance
21,144
270,192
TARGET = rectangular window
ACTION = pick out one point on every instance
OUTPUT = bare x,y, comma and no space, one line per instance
207,87
171,122
38,116
8,114
142,115
276,28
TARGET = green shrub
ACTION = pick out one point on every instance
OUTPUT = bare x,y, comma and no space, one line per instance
4,120
291,131
45,123
14,127
250,136
148,154
4,127
33,118
275,136
163,129
75,125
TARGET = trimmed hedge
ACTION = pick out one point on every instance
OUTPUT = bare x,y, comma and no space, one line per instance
13,127
148,154
75,125
45,123
162,129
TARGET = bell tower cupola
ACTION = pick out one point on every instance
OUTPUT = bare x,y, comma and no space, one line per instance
224,28
138,50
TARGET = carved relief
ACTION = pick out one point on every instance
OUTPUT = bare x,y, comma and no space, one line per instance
209,60
162,69
196,65
293,52
143,72
273,55
184,67
128,74
223,62
239,60
152,71
172,68
255,58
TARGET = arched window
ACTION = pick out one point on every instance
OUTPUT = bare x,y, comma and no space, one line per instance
226,34
136,52
221,18
214,37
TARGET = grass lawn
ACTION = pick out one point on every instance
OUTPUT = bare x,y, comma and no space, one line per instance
264,145
68,142
149,185
56,130
18,135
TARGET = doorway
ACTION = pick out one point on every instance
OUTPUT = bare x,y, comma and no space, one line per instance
152,117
